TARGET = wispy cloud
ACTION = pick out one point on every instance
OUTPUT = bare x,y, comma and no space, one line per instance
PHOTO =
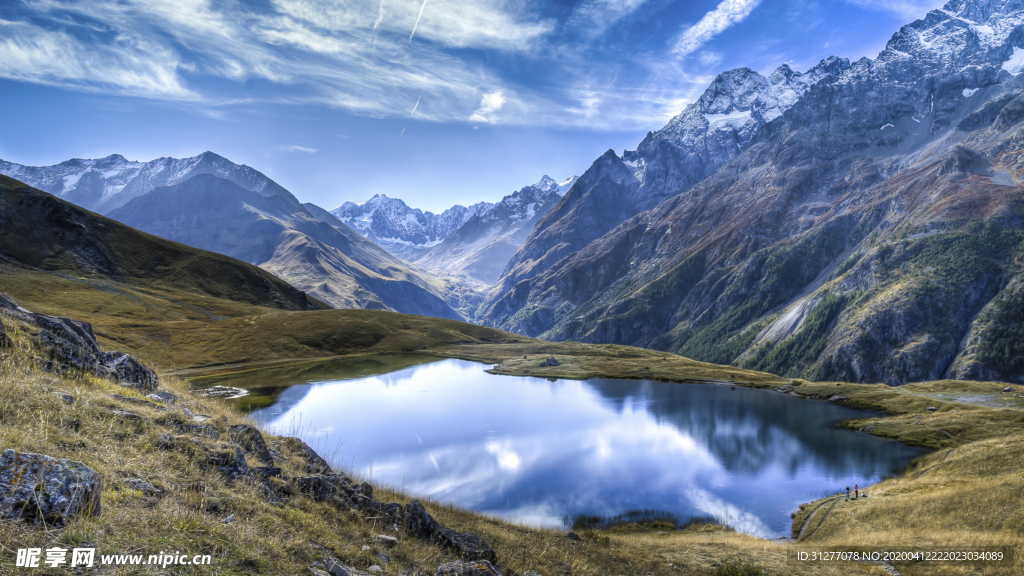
728,13
594,17
294,148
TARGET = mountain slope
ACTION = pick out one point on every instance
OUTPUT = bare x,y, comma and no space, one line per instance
278,234
691,147
482,246
39,232
873,232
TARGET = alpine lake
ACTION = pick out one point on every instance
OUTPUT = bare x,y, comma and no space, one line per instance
538,451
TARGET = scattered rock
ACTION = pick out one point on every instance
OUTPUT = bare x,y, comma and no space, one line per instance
137,401
335,568
322,488
374,568
419,523
384,558
1007,389
480,568
784,389
317,572
550,361
389,541
230,460
250,439
229,519
469,546
931,408
662,533
165,398
224,392
126,414
314,463
143,486
573,536
365,548
40,488
838,398
67,398
266,471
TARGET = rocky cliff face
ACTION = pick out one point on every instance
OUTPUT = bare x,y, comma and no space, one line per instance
403,231
871,231
481,247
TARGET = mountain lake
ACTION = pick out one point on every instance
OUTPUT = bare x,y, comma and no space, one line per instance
536,450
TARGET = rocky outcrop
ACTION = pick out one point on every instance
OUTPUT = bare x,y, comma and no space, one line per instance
71,345
251,440
46,490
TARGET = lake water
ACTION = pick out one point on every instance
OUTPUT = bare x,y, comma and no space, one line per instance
531,449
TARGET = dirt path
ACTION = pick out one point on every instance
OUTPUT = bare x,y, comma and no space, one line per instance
803,528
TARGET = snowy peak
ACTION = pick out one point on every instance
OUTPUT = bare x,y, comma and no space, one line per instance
549,184
390,220
105,184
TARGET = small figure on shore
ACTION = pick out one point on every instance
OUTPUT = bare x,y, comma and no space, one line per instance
856,492
847,491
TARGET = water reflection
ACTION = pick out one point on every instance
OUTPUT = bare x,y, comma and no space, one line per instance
535,450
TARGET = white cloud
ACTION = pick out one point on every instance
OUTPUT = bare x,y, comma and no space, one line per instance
294,148
593,17
489,104
726,14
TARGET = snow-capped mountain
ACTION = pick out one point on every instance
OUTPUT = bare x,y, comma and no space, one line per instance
105,184
860,221
702,138
405,232
481,246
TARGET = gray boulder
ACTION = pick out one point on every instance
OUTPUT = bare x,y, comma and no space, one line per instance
40,488
469,546
315,464
420,523
477,568
550,362
251,440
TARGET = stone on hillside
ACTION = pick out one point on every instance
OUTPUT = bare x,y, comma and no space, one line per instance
320,488
230,460
838,398
317,572
251,440
550,361
315,464
67,398
420,523
162,397
126,414
374,569
389,541
469,546
335,568
41,488
572,536
143,486
479,568
1007,389
931,408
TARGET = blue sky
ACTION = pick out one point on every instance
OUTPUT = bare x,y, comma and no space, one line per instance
434,101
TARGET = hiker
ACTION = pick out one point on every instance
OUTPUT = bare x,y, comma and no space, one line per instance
856,492
847,492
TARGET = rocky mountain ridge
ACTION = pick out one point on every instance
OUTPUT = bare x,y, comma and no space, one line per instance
105,184
871,232
481,247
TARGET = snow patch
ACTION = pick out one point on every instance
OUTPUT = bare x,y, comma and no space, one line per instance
886,126
968,92
735,119
1016,62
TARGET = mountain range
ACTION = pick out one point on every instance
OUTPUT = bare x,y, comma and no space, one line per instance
214,204
860,221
